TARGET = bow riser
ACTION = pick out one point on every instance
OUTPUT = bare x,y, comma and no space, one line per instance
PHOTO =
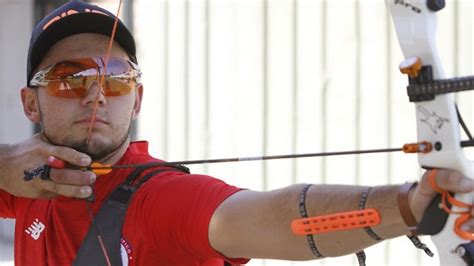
437,120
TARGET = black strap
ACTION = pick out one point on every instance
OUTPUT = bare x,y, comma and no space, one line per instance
110,221
362,203
304,214
361,256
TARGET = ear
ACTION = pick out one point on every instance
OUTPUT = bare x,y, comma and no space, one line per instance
29,99
138,101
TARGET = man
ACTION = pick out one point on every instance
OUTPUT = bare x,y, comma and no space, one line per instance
174,218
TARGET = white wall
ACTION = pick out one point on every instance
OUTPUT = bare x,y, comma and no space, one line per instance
16,24
15,29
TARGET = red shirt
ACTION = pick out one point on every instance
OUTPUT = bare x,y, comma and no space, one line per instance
166,223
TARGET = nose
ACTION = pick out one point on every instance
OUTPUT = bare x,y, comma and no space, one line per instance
94,91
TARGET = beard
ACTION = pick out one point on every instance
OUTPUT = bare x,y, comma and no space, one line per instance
95,149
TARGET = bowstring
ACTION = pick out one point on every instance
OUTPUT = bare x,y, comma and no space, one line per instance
93,118
102,76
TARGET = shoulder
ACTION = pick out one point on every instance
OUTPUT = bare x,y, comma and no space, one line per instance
168,189
175,181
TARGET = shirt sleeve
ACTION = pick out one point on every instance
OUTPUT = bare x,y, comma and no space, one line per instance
181,207
7,209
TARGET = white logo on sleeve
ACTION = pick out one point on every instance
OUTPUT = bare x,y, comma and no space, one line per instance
35,229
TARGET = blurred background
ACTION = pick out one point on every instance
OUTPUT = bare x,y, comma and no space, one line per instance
228,78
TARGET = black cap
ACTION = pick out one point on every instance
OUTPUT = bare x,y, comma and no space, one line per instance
74,18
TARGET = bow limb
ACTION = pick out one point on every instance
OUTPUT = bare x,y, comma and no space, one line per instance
437,120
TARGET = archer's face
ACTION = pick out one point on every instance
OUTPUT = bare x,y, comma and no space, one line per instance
66,121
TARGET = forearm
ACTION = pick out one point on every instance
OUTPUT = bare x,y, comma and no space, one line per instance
332,199
260,221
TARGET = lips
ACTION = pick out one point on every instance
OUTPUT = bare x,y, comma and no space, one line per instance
88,120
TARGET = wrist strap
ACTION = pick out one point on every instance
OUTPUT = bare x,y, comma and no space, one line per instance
404,207
409,218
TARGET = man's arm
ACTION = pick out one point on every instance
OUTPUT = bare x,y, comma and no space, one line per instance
257,224
30,154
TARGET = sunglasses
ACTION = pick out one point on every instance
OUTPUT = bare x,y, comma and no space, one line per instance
73,78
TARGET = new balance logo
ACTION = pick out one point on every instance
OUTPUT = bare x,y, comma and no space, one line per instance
35,229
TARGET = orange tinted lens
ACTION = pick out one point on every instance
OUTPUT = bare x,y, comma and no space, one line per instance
118,87
78,87
66,88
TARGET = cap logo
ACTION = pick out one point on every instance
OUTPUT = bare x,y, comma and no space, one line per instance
70,12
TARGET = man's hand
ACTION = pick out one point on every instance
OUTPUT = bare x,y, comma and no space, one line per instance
446,180
32,153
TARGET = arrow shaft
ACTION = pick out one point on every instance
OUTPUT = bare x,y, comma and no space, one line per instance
248,159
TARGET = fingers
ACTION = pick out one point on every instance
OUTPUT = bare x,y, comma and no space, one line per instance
446,180
32,154
51,189
72,177
67,182
70,155
455,182
452,181
64,153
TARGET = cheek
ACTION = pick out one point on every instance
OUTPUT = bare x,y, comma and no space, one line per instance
57,125
120,112
55,112
120,108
